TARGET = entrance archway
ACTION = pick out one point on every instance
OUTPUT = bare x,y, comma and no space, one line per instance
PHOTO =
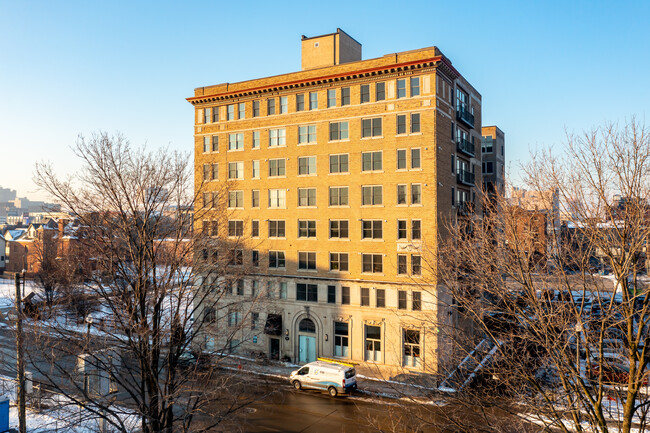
306,341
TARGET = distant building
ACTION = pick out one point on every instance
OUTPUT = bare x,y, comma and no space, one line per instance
493,143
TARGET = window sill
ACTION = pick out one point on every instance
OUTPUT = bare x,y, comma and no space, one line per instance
343,206
236,150
338,174
308,270
339,141
372,171
308,175
340,239
378,137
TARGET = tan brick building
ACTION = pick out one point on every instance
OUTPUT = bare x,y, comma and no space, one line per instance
341,175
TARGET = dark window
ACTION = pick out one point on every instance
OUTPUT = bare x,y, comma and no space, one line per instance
270,107
416,229
371,229
401,229
372,263
415,158
345,96
307,260
331,294
256,108
401,159
381,298
307,292
345,295
300,102
371,195
277,228
255,228
365,296
415,123
401,299
415,86
338,131
339,163
371,127
256,258
365,93
401,264
240,287
371,161
380,91
307,229
338,228
417,301
401,88
339,262
215,114
416,265
401,124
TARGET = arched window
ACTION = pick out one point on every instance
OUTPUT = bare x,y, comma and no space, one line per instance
307,325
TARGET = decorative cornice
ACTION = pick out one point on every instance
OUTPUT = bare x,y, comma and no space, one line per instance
439,62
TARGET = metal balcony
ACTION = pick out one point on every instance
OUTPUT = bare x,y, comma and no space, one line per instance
465,177
465,146
464,115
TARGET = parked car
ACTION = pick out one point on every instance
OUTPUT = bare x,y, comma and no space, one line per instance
330,376
191,360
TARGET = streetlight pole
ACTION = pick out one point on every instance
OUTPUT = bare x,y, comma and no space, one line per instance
22,428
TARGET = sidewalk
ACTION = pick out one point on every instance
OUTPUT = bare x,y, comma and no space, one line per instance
371,381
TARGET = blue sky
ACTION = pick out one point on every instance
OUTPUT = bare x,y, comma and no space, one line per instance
75,67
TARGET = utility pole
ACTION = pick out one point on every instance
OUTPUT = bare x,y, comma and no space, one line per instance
22,428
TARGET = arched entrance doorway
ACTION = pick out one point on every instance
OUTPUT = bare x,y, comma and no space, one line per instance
306,341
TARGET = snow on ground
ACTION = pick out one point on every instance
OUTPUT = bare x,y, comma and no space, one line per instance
8,291
61,416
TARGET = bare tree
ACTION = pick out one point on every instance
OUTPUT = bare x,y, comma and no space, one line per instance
136,210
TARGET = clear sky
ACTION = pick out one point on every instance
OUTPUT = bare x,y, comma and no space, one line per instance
75,67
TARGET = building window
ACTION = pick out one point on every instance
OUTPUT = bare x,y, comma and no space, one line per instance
215,114
277,198
300,102
306,228
416,193
283,290
269,289
411,348
371,127
306,197
284,104
345,295
341,344
401,124
372,263
307,165
401,88
255,198
234,318
415,86
365,93
236,141
205,228
416,302
235,228
380,297
401,194
215,228
255,228
415,123
209,315
230,112
255,258
345,96
415,158
277,228
401,229
339,163
306,261
487,144
338,196
488,167
331,294
242,110
371,229
277,167
371,161
270,106
401,264
235,199
401,299
401,159
331,98
307,134
371,195
416,265
236,170
380,91
240,287
416,229
277,137
338,131
207,200
313,100
215,171
206,172
256,169
255,317
276,259
339,229
307,292
339,262
373,343
215,143
256,108
256,139
365,297
206,144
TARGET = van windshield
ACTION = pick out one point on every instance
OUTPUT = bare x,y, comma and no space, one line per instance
349,373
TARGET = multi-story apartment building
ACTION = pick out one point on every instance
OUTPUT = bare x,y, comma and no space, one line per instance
493,143
342,176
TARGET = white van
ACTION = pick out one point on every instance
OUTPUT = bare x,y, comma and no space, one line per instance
331,375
